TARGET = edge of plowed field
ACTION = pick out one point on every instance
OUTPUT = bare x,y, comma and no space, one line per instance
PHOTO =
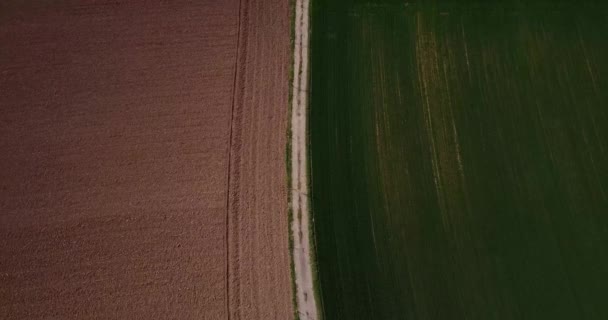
258,230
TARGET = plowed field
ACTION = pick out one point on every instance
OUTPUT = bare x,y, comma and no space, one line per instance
142,170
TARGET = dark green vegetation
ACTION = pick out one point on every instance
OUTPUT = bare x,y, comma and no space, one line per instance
459,159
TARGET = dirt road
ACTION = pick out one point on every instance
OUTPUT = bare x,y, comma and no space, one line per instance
306,303
142,170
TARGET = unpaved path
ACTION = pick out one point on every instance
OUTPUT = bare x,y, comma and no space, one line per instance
306,302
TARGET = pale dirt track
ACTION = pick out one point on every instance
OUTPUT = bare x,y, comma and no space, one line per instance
142,171
302,253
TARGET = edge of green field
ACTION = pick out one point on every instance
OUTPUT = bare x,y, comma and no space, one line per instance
314,264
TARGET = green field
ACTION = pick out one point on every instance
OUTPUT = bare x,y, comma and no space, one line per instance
459,159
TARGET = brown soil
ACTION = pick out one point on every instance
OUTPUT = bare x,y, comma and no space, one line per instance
260,284
122,142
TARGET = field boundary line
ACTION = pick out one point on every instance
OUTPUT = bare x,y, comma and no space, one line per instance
306,304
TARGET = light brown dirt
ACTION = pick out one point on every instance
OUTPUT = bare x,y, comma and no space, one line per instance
300,228
116,144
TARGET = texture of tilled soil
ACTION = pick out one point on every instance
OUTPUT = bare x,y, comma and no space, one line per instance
116,126
258,227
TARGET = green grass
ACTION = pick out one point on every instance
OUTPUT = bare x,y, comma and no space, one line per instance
459,157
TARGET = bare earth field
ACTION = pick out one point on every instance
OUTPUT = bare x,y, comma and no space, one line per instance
259,275
142,169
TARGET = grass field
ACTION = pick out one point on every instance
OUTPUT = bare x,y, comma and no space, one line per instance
459,157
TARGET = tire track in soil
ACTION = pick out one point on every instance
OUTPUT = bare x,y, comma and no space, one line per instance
231,147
